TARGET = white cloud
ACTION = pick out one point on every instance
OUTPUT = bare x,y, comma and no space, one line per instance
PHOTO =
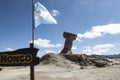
44,43
102,46
74,48
98,49
55,12
49,51
8,49
87,51
98,31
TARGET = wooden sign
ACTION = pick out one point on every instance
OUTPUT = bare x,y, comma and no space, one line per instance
20,57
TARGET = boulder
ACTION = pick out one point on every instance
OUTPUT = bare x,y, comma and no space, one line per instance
100,63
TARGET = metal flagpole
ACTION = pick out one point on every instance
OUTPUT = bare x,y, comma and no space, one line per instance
32,44
33,23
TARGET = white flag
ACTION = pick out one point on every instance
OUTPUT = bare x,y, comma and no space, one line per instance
42,15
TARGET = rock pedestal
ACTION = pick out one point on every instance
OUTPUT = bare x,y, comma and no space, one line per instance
69,37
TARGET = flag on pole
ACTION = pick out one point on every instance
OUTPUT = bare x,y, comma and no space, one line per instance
42,15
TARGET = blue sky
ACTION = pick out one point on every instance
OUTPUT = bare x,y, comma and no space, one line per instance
96,22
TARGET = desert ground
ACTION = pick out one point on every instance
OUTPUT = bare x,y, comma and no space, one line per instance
54,72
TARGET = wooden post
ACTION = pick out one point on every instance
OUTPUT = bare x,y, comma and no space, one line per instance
32,66
32,72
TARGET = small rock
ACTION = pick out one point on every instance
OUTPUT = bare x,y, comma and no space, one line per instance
0,69
81,67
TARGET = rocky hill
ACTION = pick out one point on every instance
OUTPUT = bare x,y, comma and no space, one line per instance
72,60
57,60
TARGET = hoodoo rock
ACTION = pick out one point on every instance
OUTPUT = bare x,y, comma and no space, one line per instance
69,37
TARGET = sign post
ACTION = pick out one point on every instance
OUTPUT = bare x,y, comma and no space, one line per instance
32,72
21,57
32,66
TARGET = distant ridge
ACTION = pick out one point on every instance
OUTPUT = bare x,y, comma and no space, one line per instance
112,56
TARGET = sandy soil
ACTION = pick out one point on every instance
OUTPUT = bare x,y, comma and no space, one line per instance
52,72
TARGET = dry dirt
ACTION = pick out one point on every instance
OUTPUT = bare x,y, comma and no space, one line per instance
52,72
